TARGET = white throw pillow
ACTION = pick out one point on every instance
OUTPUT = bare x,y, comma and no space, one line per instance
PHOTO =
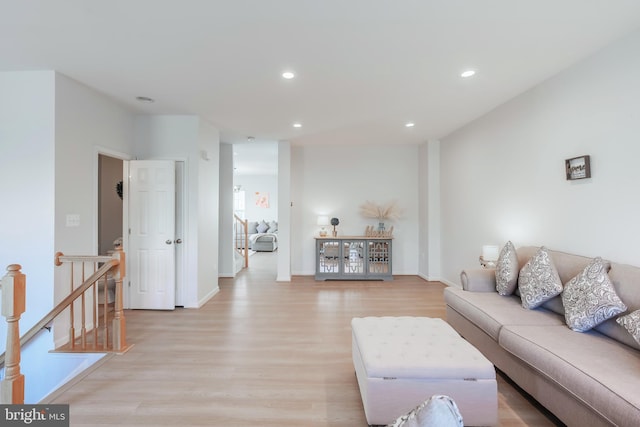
262,227
437,411
590,298
631,323
507,270
538,281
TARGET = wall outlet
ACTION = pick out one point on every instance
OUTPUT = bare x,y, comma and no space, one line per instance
73,220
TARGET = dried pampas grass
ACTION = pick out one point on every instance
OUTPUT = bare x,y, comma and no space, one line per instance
390,211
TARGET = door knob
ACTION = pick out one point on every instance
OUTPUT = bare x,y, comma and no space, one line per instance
168,242
178,241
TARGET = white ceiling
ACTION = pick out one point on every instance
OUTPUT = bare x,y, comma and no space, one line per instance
364,67
255,158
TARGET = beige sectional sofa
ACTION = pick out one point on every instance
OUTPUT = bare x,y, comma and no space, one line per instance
584,378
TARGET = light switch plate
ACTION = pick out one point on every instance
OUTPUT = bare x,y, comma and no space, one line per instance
73,220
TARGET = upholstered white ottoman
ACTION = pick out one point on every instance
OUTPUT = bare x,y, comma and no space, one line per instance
402,361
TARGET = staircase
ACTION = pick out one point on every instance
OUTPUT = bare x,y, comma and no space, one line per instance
90,319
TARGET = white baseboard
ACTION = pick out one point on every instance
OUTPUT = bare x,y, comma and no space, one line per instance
207,297
75,378
450,283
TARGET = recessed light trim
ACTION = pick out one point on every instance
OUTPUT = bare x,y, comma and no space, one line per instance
467,73
297,125
288,75
409,124
145,99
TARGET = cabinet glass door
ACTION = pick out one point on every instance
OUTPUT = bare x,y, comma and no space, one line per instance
379,257
353,257
329,256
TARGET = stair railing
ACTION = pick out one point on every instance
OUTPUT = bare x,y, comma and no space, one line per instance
241,238
96,334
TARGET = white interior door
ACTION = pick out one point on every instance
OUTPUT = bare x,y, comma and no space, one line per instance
151,257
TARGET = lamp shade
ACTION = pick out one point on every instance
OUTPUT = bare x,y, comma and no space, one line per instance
490,252
323,220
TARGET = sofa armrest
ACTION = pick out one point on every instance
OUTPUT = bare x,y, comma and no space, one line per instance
479,280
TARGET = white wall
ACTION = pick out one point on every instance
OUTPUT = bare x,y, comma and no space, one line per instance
27,177
336,180
226,263
86,121
51,128
503,175
263,184
208,212
429,211
285,210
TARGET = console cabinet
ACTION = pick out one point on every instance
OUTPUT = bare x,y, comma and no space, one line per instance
353,258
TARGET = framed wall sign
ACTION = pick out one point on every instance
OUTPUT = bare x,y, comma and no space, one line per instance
578,168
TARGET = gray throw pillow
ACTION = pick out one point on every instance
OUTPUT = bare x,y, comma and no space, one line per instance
262,227
538,280
631,323
590,298
273,227
507,270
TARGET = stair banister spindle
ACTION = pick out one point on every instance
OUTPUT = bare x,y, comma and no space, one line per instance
13,305
72,317
83,318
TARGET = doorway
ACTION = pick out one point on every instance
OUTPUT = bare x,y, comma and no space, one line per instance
110,202
256,200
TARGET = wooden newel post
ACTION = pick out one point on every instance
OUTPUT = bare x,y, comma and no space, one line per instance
119,324
13,305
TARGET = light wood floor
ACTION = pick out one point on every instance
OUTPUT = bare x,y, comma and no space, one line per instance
259,353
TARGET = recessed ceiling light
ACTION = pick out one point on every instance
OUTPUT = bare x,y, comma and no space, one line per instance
410,124
145,99
288,75
467,73
251,138
297,125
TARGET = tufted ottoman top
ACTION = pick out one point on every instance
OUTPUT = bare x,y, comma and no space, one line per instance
417,347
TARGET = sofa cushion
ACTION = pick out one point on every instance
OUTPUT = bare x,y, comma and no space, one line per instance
590,298
538,280
507,270
598,371
631,323
567,265
490,311
273,227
